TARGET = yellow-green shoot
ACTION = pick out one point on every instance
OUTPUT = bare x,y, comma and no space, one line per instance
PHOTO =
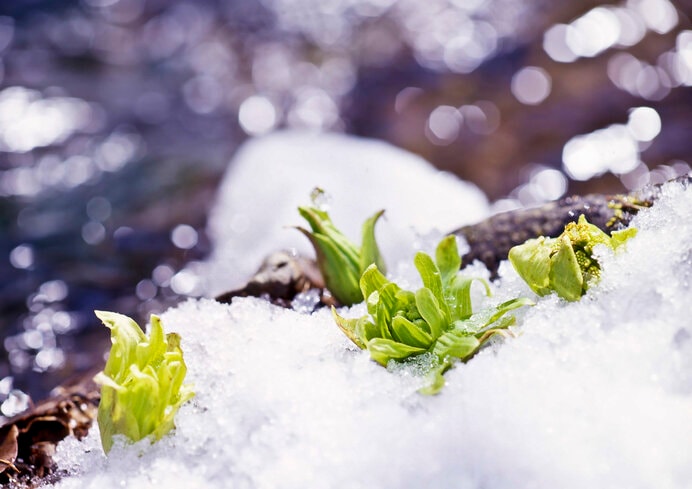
566,264
142,382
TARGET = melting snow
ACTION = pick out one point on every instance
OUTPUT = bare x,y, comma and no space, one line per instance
590,394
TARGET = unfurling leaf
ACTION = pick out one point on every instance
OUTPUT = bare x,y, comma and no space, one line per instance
142,382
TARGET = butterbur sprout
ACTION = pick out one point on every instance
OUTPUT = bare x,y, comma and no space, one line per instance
341,262
437,319
142,382
566,264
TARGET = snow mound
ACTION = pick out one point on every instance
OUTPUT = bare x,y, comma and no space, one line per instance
271,176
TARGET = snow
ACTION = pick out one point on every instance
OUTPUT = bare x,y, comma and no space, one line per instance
271,176
596,393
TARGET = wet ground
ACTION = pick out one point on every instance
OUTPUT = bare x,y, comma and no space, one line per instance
118,117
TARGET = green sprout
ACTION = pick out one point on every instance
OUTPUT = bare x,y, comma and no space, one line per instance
142,382
566,264
436,320
341,262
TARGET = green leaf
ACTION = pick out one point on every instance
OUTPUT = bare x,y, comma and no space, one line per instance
366,330
459,295
372,280
383,315
339,269
429,273
618,238
436,380
372,302
407,332
388,297
432,281
430,311
369,251
486,318
531,260
383,350
566,277
348,326
448,258
456,345
406,304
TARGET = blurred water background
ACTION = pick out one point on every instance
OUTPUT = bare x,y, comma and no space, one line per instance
118,118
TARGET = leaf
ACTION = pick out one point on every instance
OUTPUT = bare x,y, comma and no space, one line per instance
348,326
430,311
388,300
383,350
388,297
448,258
128,335
566,277
318,220
531,260
436,380
8,446
618,238
406,304
432,280
369,251
407,332
383,318
456,345
481,321
372,302
372,280
366,330
459,292
339,269
429,273
504,323
585,235
321,225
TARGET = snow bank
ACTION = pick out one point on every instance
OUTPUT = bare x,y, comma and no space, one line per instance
590,394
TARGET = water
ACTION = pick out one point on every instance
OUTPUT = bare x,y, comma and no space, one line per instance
117,120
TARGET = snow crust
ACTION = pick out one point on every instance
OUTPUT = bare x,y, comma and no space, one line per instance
590,394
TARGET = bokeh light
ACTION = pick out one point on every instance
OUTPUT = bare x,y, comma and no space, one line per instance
443,124
610,149
531,85
184,236
257,115
644,123
118,118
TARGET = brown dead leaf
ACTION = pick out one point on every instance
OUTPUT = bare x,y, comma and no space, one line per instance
28,440
8,447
